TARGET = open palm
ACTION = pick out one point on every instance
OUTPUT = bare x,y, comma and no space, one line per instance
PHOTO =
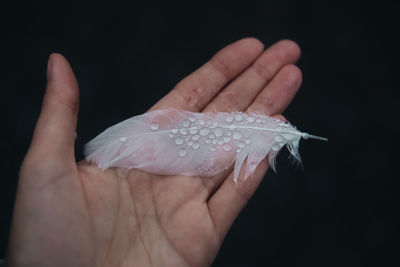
74,214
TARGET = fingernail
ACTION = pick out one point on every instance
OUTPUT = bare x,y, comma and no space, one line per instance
49,68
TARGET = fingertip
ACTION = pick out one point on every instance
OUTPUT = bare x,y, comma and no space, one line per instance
292,47
293,74
253,43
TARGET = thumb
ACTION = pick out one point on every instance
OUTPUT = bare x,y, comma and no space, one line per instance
55,131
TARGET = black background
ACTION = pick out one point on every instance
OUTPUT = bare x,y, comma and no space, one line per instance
340,210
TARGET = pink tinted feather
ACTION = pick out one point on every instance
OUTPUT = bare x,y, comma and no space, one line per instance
177,142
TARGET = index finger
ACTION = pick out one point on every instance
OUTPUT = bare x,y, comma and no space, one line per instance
195,91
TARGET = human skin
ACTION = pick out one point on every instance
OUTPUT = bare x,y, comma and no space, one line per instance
74,214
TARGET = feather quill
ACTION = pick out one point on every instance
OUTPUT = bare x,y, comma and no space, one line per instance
177,142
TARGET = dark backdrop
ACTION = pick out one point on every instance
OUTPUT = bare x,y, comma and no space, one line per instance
340,210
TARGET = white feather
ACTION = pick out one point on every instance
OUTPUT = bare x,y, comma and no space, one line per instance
176,142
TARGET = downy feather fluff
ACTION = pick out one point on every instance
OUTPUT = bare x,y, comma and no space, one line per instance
177,142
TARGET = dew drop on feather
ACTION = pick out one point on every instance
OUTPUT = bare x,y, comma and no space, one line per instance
237,135
196,146
193,130
204,131
251,119
154,126
183,131
182,152
178,141
276,147
229,119
227,148
219,132
238,117
288,136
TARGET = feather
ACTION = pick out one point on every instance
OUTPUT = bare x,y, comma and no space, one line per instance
177,142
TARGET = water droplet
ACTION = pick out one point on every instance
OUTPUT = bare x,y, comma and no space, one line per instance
237,135
185,123
220,142
214,142
238,117
201,122
182,152
288,136
278,138
227,139
122,139
209,123
196,137
174,131
190,143
154,126
281,124
258,120
211,136
204,131
215,124
229,119
207,141
247,141
238,150
213,149
227,148
192,119
193,130
178,141
183,131
218,132
229,134
196,146
241,145
276,147
171,135
251,119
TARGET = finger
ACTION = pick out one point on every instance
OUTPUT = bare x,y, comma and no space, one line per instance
273,99
195,91
230,198
277,95
241,92
54,134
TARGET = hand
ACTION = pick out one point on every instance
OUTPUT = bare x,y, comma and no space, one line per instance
74,214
